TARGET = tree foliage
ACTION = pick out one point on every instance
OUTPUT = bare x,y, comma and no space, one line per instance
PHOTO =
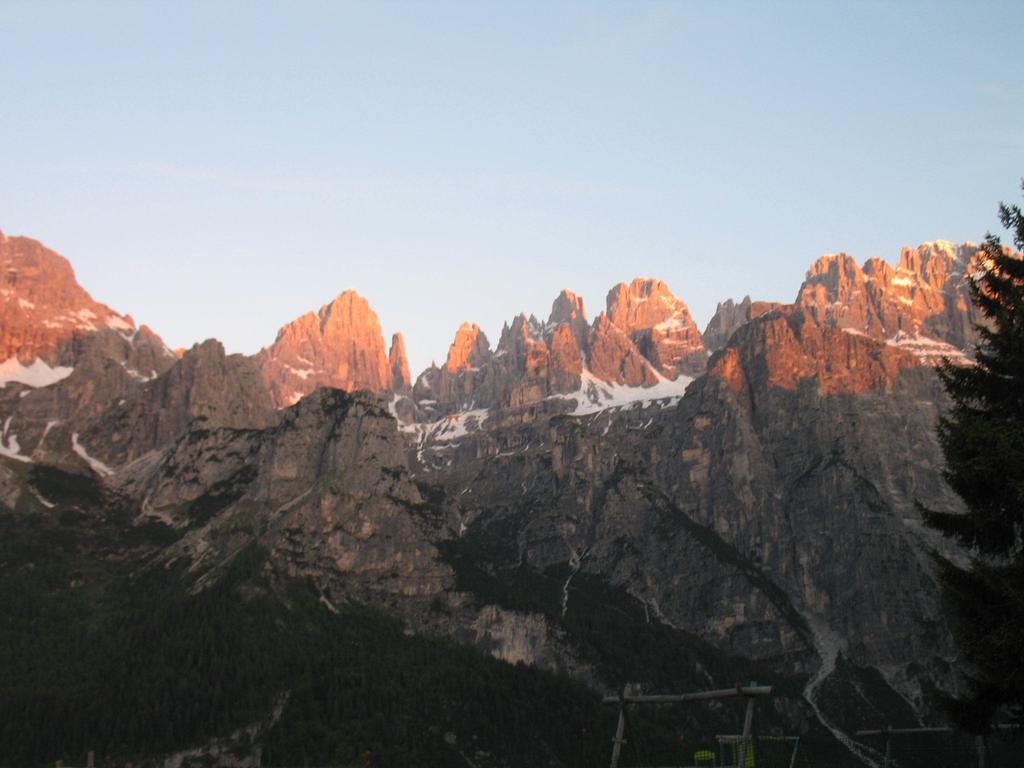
982,439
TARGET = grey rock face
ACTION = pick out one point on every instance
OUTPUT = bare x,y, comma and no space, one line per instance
108,367
204,386
729,316
773,512
327,491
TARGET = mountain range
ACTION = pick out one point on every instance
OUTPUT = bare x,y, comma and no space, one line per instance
751,494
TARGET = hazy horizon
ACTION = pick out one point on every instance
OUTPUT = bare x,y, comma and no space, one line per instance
219,171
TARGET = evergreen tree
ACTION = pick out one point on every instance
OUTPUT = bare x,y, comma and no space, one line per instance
982,439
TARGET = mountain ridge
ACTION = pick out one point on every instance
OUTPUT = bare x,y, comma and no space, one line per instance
766,505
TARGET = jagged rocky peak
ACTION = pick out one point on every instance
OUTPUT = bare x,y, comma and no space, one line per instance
534,361
729,316
566,354
341,346
470,349
522,348
50,327
643,304
205,387
401,381
567,309
464,381
936,261
926,294
43,308
517,337
832,278
660,325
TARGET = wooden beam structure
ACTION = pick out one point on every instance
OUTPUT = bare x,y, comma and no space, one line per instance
675,698
627,697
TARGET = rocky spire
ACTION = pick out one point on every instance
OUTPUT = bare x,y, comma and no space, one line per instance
340,346
470,349
568,308
399,364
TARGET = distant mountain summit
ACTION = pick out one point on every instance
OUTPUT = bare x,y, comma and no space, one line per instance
922,304
340,346
646,337
925,294
660,325
44,312
82,387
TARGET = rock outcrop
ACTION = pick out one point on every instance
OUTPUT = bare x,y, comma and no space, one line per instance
205,389
615,358
729,316
469,350
463,380
42,306
327,491
647,335
399,365
568,309
340,346
926,293
531,362
68,358
660,325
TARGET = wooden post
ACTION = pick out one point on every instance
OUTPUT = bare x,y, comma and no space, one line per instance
748,718
90,760
620,729
888,748
748,727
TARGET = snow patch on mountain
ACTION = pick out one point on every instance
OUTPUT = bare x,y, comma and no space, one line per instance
138,375
928,350
596,395
37,374
118,323
450,427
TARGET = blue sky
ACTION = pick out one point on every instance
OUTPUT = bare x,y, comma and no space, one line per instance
217,169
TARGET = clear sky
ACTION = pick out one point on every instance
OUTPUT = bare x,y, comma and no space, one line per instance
217,170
